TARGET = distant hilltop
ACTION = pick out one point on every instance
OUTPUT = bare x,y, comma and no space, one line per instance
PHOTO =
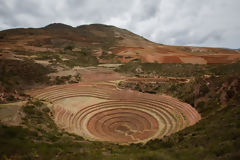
109,44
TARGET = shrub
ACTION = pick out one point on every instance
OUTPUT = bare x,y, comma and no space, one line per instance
37,103
29,109
82,59
69,47
46,110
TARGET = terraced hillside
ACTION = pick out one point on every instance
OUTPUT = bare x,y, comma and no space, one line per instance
103,113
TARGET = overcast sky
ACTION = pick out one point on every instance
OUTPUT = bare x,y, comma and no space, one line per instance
213,23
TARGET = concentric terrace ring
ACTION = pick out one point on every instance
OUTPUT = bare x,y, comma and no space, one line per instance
104,114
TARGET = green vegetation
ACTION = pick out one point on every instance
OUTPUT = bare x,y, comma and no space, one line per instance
69,79
69,47
207,99
62,79
51,57
102,35
74,58
80,58
16,75
180,70
13,72
83,58
107,56
110,57
227,69
175,70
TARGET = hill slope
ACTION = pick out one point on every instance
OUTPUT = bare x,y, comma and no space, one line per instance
109,44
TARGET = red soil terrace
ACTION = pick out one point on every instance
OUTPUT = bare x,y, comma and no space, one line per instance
103,113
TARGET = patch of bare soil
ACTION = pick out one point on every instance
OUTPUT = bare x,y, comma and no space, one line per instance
11,114
99,74
171,54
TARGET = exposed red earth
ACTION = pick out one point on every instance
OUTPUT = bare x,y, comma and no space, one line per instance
124,45
172,54
101,112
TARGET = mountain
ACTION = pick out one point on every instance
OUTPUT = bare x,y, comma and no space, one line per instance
109,44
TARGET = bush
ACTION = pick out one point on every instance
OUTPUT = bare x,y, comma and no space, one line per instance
227,69
200,106
46,110
37,103
69,48
29,109
203,90
150,157
82,59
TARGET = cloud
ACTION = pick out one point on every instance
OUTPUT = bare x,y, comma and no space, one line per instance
175,22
